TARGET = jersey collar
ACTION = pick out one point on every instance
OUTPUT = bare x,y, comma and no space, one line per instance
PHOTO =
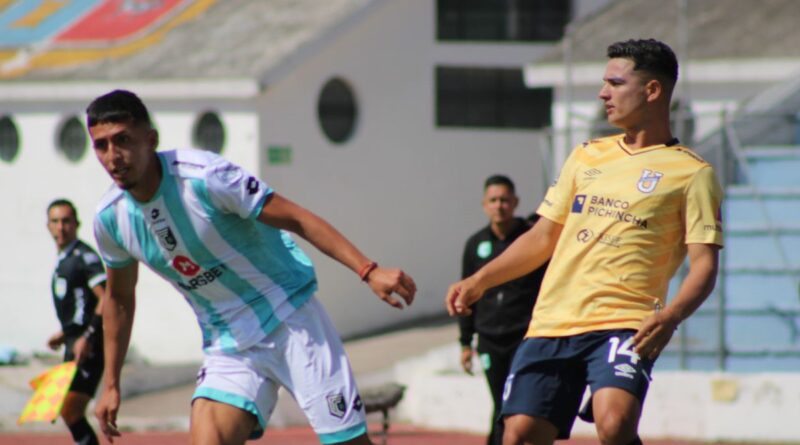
63,253
633,152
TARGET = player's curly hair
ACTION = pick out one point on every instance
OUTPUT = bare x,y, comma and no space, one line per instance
117,106
649,55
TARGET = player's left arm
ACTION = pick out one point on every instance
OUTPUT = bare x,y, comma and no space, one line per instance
90,338
284,214
95,276
657,330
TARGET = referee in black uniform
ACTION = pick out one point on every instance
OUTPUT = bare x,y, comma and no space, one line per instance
78,287
501,317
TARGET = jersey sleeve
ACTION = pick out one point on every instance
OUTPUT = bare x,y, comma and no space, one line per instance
557,201
93,267
231,189
703,209
106,235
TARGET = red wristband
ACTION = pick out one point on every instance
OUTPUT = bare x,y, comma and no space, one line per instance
366,270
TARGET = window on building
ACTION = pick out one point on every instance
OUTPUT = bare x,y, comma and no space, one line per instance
9,139
72,139
337,110
209,132
499,20
489,97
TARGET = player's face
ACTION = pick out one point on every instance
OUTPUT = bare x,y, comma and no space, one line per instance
63,225
126,151
623,94
499,203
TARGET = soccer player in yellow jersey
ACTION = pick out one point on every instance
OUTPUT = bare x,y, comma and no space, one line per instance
617,223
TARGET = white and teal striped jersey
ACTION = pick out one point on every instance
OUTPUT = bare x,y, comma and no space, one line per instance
200,232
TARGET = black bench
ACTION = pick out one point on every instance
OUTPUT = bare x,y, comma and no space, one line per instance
381,399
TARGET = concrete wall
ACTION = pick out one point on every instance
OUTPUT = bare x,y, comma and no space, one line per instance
408,193
38,175
165,329
714,407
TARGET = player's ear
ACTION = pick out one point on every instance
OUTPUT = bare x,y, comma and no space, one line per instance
653,90
153,139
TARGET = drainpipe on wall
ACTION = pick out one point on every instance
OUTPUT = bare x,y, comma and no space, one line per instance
563,150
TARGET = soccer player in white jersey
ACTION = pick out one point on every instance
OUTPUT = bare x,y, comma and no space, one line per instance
220,236
623,214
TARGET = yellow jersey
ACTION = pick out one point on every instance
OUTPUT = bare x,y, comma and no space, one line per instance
627,216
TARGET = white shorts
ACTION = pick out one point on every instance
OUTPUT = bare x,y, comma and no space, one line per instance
305,356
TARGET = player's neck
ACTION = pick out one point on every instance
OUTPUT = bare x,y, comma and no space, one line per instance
652,128
147,187
637,138
502,230
66,245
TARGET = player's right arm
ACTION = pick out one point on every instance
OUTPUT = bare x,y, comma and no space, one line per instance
466,324
531,250
118,311
527,253
56,340
284,214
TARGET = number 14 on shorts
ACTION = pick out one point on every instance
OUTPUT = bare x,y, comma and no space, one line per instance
618,347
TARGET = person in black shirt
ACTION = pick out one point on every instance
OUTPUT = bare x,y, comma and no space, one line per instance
78,286
501,318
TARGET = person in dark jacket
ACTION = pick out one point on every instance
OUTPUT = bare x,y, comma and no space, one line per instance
501,318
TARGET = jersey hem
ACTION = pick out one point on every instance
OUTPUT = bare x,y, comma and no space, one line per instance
97,280
541,333
260,205
551,217
236,401
119,264
705,241
344,435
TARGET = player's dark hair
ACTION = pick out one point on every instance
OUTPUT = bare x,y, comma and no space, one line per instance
63,202
499,180
116,107
649,55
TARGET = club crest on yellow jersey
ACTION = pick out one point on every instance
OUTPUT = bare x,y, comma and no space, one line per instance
648,181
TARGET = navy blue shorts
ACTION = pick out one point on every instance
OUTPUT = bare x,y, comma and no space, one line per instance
549,374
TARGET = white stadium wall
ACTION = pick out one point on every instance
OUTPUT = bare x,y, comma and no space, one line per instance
406,192
35,177
165,329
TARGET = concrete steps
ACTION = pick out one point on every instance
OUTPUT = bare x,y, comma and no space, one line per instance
774,166
759,272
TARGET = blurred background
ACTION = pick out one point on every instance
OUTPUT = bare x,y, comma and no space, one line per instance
385,117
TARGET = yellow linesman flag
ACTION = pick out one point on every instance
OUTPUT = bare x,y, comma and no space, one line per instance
50,389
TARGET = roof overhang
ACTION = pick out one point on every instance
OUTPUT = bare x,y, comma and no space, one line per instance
697,72
177,89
